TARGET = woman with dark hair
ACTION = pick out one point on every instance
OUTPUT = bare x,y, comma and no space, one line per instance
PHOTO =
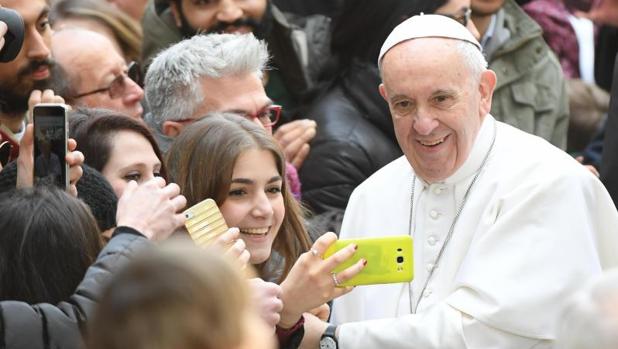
48,241
356,135
121,148
147,212
236,163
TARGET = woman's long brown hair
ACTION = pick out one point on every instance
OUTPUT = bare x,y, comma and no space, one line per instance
201,161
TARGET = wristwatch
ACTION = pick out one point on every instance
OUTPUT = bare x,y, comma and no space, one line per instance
328,340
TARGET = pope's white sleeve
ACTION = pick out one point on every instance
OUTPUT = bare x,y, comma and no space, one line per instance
439,326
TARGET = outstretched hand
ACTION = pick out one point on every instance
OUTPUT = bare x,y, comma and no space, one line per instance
152,208
310,283
294,138
25,162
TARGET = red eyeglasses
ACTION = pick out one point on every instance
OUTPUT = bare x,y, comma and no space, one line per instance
268,117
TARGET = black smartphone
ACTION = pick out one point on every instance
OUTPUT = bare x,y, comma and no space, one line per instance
50,144
14,37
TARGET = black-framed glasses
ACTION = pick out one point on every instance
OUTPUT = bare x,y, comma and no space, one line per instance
118,86
463,17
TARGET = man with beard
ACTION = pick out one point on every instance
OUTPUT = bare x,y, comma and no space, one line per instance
29,71
299,47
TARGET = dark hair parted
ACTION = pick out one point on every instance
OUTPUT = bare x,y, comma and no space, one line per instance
201,161
48,241
93,130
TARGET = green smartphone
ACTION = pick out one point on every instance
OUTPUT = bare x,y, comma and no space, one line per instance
390,259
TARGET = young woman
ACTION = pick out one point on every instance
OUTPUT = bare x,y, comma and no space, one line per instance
121,148
178,296
235,162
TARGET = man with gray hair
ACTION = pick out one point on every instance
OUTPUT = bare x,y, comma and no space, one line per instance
216,72
505,225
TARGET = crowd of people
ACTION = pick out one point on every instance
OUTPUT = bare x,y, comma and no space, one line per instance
486,130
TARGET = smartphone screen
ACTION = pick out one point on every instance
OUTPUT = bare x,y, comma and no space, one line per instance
50,145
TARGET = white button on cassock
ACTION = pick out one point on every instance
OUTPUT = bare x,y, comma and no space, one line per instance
431,240
434,214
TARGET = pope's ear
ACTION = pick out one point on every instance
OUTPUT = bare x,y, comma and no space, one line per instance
383,93
172,128
487,85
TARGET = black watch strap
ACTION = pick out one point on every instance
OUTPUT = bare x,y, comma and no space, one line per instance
328,339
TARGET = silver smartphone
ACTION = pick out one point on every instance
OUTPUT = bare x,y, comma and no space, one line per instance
50,144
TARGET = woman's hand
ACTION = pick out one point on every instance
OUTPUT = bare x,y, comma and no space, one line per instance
311,282
234,246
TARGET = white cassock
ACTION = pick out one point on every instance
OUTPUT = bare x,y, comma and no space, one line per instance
535,226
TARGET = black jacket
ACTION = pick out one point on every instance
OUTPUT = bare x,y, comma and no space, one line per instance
42,326
355,138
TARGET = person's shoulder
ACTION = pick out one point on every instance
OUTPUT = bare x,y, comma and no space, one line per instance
529,156
389,176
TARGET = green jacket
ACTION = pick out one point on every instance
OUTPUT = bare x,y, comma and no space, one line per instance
530,93
299,47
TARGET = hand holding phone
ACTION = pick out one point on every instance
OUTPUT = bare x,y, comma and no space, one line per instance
204,222
50,144
389,259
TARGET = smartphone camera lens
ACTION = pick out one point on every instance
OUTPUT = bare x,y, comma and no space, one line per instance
400,259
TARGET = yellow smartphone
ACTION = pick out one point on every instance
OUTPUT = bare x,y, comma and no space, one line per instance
204,222
390,259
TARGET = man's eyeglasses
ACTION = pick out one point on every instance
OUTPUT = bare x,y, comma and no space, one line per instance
268,116
463,17
117,87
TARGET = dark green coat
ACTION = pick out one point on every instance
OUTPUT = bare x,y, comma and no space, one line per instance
530,93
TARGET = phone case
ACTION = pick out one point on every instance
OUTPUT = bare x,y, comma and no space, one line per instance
204,222
389,259
51,128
